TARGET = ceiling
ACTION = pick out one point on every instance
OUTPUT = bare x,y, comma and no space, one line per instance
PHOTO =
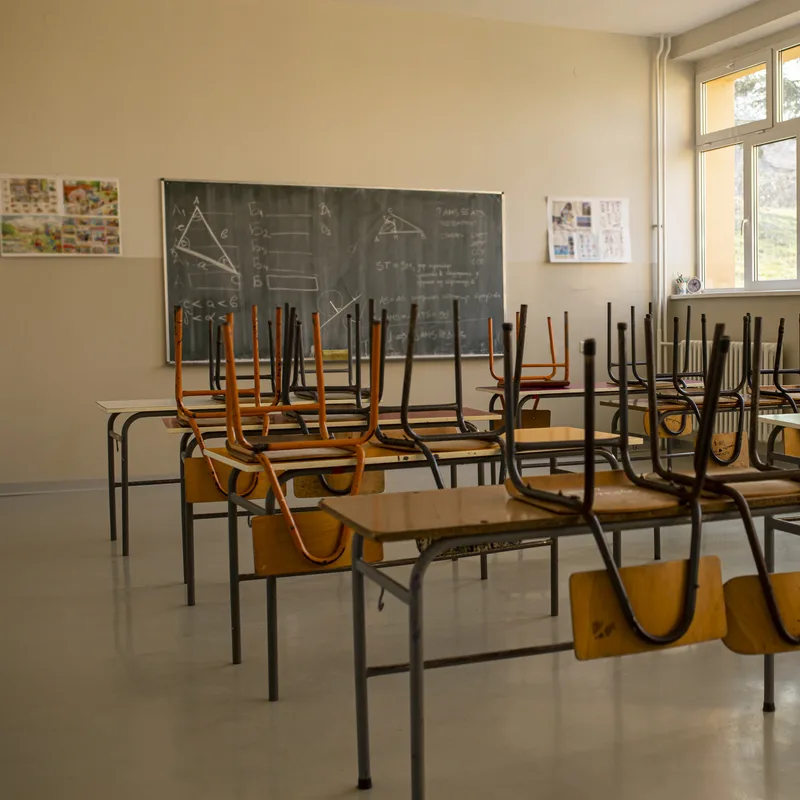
639,17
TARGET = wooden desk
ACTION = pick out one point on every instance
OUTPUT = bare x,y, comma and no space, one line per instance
781,420
455,518
132,411
378,458
278,422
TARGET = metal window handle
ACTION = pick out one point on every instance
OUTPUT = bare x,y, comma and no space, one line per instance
744,222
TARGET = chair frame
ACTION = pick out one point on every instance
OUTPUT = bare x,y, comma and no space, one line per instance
261,451
690,495
420,441
536,381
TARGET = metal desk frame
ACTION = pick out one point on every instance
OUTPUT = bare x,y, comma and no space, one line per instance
412,597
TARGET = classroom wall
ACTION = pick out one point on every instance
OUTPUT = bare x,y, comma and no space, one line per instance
311,91
731,311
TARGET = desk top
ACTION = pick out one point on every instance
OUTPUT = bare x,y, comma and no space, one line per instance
642,404
783,420
168,406
569,391
390,420
377,455
481,511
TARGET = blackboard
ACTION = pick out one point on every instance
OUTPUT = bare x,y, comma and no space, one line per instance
228,246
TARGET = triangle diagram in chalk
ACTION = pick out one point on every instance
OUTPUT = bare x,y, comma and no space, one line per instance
198,240
394,225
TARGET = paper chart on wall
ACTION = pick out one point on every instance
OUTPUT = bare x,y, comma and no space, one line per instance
54,216
589,229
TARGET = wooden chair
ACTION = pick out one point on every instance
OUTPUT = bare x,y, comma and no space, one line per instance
351,357
636,609
763,609
429,441
290,543
536,381
196,420
216,377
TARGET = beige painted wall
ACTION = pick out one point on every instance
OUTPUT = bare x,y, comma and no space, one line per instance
731,311
307,92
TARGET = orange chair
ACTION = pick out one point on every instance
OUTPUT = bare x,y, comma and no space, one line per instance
195,419
537,381
263,449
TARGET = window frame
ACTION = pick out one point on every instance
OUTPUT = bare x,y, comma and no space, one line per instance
750,136
768,58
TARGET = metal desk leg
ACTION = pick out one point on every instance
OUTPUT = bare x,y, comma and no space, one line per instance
182,473
112,479
554,577
360,655
453,477
272,637
484,559
233,570
416,659
769,660
188,540
124,477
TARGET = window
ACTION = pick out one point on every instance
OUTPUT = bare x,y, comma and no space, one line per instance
748,124
790,82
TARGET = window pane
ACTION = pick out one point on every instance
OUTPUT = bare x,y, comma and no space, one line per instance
735,99
790,83
723,211
776,235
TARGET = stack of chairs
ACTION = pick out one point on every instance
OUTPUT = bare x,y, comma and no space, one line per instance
294,542
619,611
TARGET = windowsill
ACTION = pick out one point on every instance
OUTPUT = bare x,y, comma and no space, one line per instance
736,293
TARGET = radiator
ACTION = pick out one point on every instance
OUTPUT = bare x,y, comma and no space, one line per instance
733,373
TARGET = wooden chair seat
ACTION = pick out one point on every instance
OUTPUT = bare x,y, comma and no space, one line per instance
656,592
219,420
301,454
750,627
312,486
451,446
753,490
540,384
274,552
614,493
331,417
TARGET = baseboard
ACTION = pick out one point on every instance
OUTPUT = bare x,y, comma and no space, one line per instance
60,487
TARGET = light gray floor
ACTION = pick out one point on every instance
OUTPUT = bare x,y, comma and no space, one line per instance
110,687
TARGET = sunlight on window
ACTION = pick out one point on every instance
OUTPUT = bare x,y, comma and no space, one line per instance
790,83
723,210
735,99
776,238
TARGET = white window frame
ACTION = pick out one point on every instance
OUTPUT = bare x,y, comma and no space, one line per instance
766,57
750,136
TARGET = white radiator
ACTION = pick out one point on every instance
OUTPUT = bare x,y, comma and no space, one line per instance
733,375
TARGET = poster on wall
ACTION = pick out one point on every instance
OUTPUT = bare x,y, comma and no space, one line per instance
55,216
589,229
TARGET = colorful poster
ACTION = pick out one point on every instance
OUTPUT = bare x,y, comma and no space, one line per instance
54,216
29,195
91,236
589,229
85,197
29,234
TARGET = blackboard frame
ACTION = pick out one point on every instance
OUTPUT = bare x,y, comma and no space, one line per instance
165,248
